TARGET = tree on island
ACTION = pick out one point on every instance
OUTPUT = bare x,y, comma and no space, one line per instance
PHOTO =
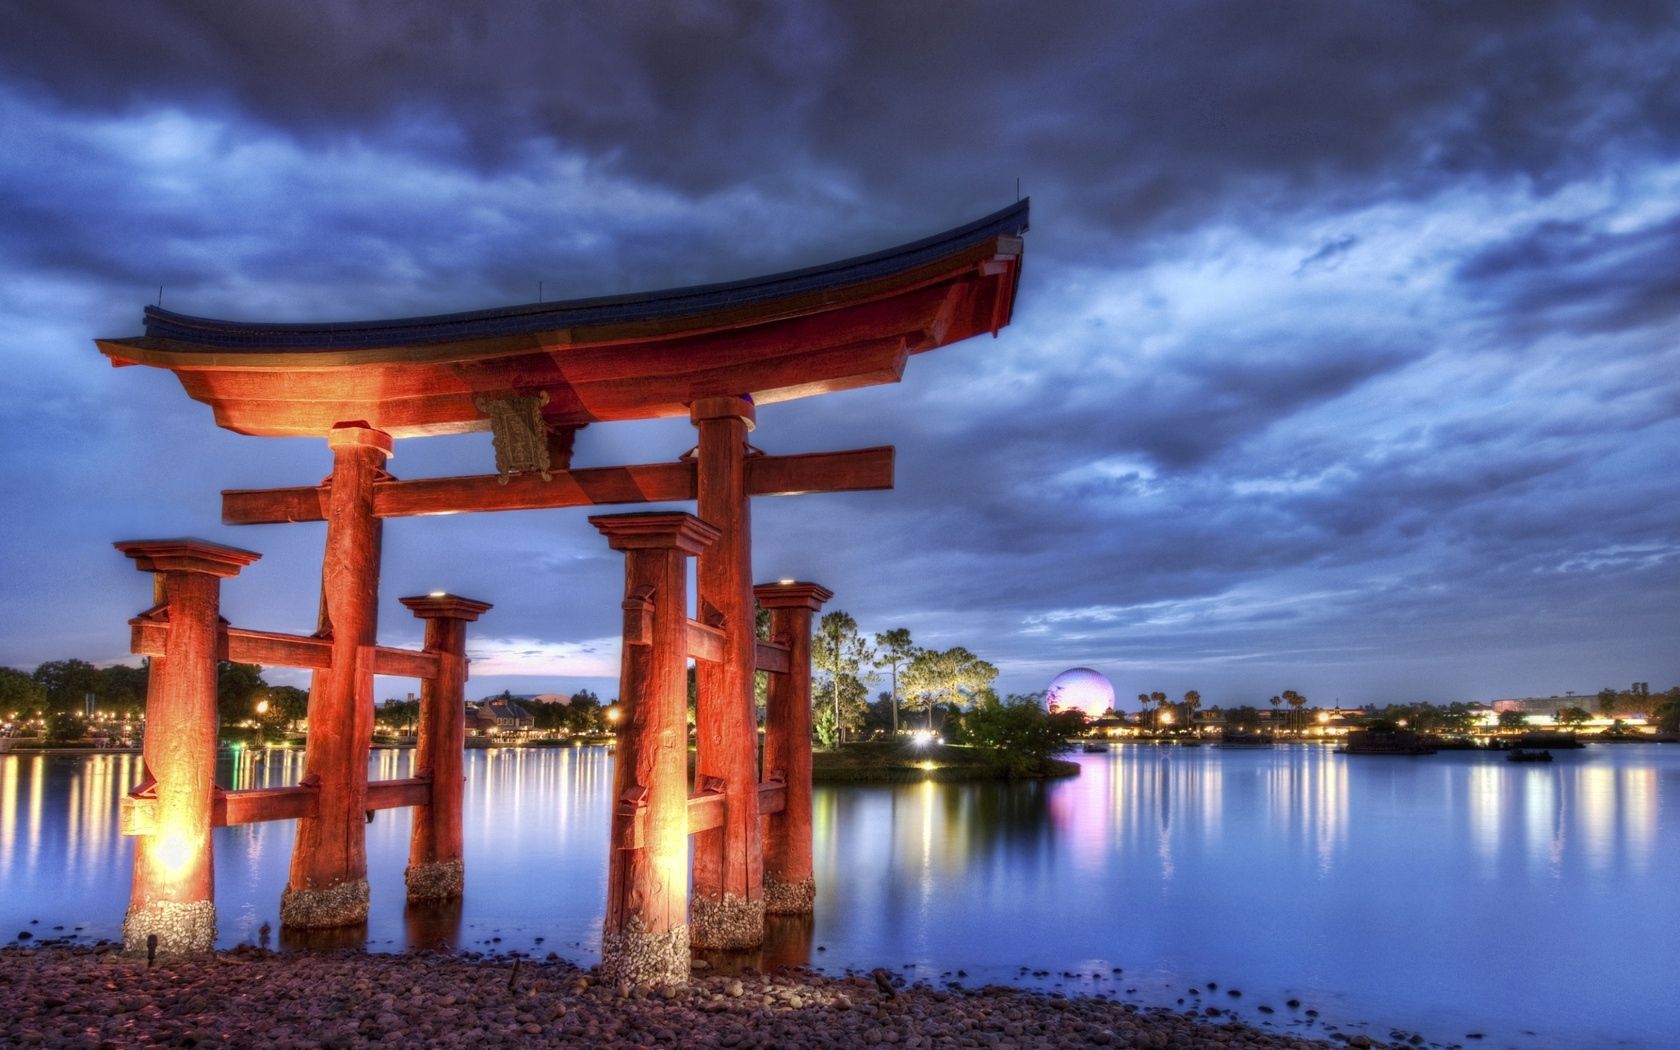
894,649
1512,719
841,654
953,677
1017,734
1607,700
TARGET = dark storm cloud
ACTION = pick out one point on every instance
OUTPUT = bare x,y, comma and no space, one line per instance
1129,116
1578,276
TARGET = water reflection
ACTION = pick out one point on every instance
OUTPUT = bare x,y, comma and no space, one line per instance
1275,867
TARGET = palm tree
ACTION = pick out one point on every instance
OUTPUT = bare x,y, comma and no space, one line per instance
1296,701
1159,699
1192,700
1143,709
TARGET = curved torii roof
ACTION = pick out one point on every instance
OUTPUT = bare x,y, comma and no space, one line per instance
832,327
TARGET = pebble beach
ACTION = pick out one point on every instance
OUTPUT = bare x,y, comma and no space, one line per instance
97,997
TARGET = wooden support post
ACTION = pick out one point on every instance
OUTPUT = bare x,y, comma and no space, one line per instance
435,867
173,895
328,881
728,905
789,883
645,939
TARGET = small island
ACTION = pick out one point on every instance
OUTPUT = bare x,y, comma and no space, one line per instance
905,761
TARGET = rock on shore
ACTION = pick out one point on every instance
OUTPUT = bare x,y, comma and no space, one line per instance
95,997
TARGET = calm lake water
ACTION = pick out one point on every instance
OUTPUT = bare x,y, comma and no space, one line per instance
1457,893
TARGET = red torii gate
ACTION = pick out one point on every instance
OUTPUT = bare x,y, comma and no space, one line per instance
534,375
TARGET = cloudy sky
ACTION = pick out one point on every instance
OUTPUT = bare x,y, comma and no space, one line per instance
1344,359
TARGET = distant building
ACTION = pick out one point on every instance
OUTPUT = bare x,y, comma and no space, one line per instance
499,718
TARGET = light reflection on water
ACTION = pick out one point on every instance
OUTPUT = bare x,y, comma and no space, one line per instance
1451,893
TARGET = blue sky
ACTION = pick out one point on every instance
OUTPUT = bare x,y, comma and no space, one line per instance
1344,360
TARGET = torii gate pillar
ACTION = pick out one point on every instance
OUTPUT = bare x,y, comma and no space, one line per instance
789,884
173,896
435,865
328,881
645,939
728,906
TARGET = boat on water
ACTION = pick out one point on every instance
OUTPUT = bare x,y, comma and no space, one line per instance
1521,755
1092,747
1386,742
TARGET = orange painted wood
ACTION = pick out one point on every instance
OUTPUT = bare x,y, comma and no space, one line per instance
404,663
437,833
647,876
772,798
178,753
273,649
772,657
705,811
857,470
705,643
787,728
330,848
728,862
399,793
257,805
705,808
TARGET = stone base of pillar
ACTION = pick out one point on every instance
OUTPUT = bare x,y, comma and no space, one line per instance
642,958
729,922
438,880
181,927
789,898
345,904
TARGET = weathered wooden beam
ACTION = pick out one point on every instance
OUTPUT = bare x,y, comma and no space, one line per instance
273,649
257,805
772,657
705,811
856,470
705,808
395,794
404,663
705,642
772,797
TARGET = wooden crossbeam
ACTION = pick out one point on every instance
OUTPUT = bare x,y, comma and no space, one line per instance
857,470
259,805
705,642
256,805
273,649
705,808
772,657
